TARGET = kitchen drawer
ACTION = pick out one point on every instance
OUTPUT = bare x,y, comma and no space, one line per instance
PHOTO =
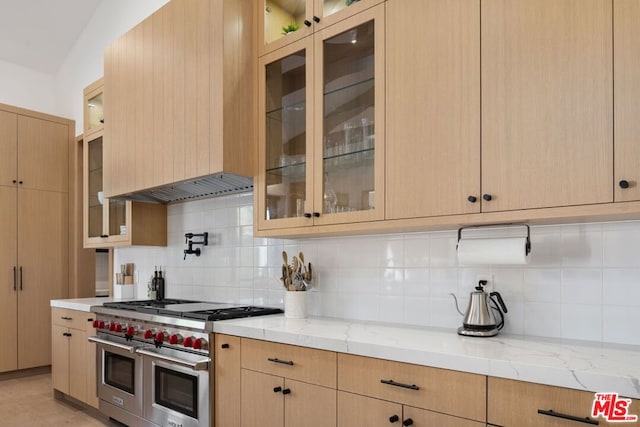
516,403
73,319
441,390
289,361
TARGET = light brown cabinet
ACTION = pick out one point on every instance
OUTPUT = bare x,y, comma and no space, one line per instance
517,403
458,394
321,128
626,59
34,250
73,364
226,380
178,100
433,108
109,222
308,15
284,385
547,112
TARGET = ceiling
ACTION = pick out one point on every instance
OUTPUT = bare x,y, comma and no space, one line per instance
39,34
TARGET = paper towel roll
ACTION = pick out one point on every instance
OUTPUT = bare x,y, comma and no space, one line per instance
501,251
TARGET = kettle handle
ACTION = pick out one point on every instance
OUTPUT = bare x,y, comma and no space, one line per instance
499,300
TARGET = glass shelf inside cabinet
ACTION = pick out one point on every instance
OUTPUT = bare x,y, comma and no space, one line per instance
95,198
282,17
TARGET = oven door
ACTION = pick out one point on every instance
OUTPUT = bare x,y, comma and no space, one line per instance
176,387
120,372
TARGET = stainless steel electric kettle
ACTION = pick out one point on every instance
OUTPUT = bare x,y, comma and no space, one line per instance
479,320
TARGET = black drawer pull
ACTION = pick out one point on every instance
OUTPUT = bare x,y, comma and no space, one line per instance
66,334
551,413
286,391
393,383
224,345
276,360
66,318
277,389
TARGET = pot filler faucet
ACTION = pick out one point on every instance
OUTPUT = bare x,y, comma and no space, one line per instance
188,240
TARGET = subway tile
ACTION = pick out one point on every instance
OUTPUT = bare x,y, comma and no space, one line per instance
581,248
621,286
582,322
416,251
416,282
621,248
542,285
582,286
543,319
619,324
442,251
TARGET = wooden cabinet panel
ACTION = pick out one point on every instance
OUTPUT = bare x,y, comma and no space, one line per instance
309,405
44,260
60,358
43,154
546,103
8,148
261,404
626,39
301,363
8,272
73,319
435,389
356,410
516,403
420,417
79,364
226,378
433,108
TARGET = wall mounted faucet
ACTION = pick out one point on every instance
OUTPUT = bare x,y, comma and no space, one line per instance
188,240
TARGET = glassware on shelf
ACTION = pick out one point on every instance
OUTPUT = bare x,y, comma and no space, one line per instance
330,198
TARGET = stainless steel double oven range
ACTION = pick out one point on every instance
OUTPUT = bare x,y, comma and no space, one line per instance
154,359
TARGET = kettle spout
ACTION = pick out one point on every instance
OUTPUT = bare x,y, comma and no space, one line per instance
456,302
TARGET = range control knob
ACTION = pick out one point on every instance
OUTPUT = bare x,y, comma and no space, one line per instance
159,337
200,344
131,330
118,327
112,327
105,325
175,339
96,324
188,342
101,324
149,333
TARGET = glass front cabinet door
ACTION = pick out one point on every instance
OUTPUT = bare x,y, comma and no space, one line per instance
322,127
287,21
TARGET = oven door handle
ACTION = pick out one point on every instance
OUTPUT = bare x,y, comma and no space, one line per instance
199,365
108,343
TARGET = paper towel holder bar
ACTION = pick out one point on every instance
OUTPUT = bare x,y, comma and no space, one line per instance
528,241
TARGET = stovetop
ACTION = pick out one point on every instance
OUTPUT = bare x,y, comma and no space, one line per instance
198,310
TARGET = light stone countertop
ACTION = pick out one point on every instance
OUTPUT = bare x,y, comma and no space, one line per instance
81,304
574,364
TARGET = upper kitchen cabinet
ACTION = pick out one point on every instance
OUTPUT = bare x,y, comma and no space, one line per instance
626,59
179,97
547,103
321,128
433,108
93,107
109,222
286,21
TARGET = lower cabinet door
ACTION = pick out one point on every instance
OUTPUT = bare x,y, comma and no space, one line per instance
308,405
78,364
356,410
261,398
60,358
423,418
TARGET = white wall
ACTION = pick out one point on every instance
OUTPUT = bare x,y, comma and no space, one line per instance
27,88
583,280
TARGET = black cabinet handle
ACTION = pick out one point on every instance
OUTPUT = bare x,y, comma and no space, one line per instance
316,19
394,419
21,278
104,236
552,413
90,319
395,384
14,181
283,362
15,278
307,215
316,214
624,183
277,389
20,182
407,422
307,23
487,197
66,334
472,199
66,318
286,391
224,346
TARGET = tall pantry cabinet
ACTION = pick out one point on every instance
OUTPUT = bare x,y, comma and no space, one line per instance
34,225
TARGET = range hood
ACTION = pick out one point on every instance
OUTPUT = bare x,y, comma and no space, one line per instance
220,184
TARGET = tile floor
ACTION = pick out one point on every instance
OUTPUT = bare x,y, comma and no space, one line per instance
29,401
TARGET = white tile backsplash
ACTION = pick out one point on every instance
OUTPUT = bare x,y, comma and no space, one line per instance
582,282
